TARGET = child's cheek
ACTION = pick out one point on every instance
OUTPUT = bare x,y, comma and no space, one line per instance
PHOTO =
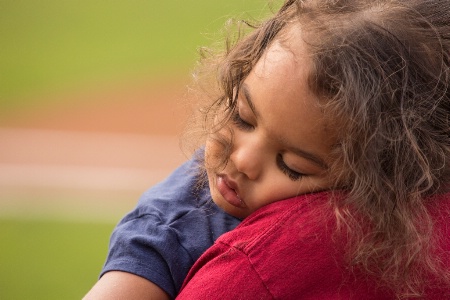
217,149
218,142
210,153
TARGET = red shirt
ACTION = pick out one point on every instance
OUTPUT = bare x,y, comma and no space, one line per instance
286,250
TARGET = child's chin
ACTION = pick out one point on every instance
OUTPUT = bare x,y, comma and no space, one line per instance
230,209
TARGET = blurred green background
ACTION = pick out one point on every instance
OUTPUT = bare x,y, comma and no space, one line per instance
58,45
54,44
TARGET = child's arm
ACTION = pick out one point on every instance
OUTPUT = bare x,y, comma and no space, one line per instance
122,285
155,245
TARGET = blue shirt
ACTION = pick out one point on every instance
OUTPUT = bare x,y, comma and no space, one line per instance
173,223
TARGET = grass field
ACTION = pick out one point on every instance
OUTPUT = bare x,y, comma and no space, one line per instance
44,259
55,45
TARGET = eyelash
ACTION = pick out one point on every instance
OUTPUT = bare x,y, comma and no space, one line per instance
239,122
293,175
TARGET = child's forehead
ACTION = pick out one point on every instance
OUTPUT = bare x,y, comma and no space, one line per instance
293,38
284,55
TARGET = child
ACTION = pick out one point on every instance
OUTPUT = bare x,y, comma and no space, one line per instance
349,96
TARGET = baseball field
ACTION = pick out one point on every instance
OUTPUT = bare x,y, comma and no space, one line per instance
91,109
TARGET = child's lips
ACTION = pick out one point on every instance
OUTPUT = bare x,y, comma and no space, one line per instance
228,189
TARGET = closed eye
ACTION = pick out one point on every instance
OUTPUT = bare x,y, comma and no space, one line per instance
293,175
240,123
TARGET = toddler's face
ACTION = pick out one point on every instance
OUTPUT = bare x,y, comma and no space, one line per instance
281,145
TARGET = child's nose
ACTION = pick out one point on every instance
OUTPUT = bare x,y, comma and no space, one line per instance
247,158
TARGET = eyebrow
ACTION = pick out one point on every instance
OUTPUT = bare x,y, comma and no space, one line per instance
307,155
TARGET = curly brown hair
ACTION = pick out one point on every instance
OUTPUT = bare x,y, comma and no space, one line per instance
382,67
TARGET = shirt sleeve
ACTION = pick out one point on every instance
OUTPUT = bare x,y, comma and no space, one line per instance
141,247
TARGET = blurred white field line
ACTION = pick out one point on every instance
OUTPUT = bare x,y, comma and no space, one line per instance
78,177
49,162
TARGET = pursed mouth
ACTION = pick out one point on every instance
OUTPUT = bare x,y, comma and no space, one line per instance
228,190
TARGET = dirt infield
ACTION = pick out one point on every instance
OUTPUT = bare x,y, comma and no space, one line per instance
91,154
145,106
